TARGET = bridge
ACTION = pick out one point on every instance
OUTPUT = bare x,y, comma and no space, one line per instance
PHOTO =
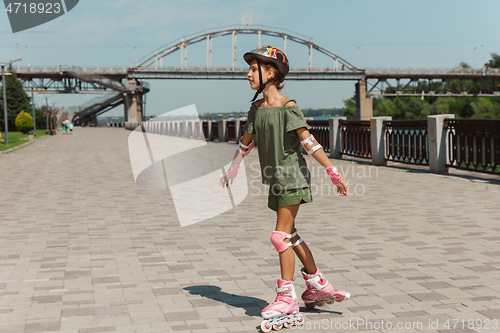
127,88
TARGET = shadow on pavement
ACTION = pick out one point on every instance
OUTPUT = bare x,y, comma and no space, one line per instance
252,305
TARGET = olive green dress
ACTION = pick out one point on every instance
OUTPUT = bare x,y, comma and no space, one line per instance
282,165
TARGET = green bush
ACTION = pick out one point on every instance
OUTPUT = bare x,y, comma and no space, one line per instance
24,122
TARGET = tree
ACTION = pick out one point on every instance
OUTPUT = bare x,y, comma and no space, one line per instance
494,62
41,119
51,113
418,108
350,108
24,122
485,108
17,100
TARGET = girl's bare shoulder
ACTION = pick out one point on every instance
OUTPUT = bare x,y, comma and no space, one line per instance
290,103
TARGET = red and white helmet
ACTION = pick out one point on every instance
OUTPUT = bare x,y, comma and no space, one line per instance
269,54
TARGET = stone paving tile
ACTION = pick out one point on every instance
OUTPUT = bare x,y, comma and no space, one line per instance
85,249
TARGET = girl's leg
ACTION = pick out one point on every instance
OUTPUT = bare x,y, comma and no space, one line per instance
305,255
285,222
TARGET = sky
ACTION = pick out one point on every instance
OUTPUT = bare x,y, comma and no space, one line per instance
367,33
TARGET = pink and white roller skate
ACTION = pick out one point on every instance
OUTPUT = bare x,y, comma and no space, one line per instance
320,291
284,311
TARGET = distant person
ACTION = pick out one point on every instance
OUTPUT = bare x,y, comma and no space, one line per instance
70,128
1,140
67,125
64,129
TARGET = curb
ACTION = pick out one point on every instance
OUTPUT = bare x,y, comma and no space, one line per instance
21,146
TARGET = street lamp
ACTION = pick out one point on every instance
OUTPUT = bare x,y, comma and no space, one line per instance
28,56
474,58
135,47
5,100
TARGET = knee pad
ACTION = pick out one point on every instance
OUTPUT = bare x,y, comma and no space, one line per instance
278,240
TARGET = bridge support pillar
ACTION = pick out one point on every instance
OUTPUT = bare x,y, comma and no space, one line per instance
364,104
134,105
134,102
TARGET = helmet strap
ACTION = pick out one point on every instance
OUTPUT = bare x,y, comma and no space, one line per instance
262,85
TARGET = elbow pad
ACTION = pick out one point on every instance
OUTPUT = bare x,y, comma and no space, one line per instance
248,148
310,142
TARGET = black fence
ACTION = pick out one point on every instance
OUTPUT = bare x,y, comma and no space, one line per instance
321,131
474,144
406,141
215,130
231,131
355,138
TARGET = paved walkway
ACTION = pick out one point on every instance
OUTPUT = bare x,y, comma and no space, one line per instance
84,249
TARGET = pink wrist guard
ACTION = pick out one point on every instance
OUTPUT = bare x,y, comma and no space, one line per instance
334,175
232,172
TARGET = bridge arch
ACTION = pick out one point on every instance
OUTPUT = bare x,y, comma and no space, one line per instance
155,58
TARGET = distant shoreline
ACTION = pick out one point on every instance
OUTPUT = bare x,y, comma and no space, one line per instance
316,114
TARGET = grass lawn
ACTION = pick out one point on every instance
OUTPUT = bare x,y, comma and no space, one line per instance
17,139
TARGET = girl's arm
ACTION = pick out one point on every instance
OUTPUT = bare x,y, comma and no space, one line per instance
320,156
247,138
244,146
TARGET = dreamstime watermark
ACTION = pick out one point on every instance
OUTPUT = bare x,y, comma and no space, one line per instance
31,13
170,153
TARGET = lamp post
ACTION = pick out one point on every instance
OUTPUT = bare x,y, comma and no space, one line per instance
47,116
5,100
33,109
474,58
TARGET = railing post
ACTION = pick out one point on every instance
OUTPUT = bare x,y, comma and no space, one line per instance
210,135
223,130
377,140
438,143
237,131
334,134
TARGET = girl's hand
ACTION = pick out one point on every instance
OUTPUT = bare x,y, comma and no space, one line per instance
338,181
342,188
229,176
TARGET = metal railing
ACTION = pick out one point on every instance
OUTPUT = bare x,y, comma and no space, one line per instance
231,131
355,138
215,130
84,69
474,144
321,131
406,141
432,71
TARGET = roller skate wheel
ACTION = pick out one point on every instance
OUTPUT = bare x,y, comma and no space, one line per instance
265,326
321,304
287,325
300,320
310,305
277,327
330,302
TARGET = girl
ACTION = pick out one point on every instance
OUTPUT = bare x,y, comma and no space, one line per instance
280,127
